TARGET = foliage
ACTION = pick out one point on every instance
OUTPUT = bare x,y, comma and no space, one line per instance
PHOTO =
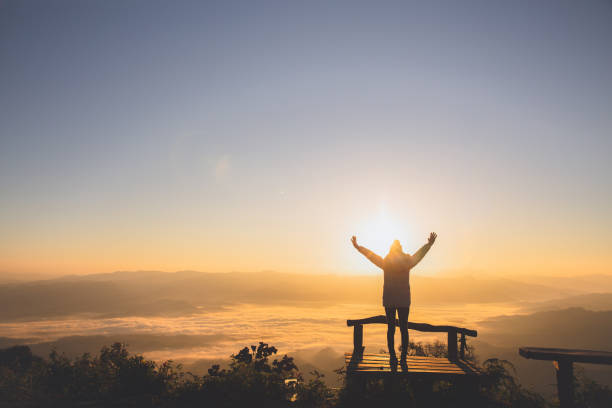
116,378
590,394
251,377
254,377
314,393
500,388
435,349
112,377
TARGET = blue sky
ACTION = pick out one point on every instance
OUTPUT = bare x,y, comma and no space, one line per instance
170,135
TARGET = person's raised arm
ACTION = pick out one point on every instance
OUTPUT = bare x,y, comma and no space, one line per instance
375,259
418,255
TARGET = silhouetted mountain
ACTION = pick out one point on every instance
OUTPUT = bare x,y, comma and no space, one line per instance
568,328
55,298
468,289
151,293
577,328
590,301
578,284
74,346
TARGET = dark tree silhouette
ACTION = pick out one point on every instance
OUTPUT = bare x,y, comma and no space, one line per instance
254,378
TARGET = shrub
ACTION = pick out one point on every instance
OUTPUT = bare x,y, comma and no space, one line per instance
253,378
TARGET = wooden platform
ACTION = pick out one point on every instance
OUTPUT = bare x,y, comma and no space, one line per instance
378,365
576,356
564,360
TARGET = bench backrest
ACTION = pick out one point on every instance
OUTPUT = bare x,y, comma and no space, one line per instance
424,327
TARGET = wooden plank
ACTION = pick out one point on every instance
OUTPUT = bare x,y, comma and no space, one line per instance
379,363
425,362
424,365
414,363
386,363
424,327
455,370
365,357
415,366
408,361
360,367
409,373
428,366
385,355
409,358
556,354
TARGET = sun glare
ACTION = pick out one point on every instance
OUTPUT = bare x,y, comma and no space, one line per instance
378,233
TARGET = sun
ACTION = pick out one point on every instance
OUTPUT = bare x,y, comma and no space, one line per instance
379,232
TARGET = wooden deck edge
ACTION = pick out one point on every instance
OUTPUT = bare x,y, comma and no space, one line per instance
377,365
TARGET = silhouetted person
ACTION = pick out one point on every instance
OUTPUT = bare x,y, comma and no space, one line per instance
396,292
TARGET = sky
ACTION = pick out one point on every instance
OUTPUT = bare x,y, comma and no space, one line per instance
246,136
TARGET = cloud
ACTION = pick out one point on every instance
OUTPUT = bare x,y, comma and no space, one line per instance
222,168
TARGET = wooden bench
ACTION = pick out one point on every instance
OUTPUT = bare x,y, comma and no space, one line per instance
563,360
375,365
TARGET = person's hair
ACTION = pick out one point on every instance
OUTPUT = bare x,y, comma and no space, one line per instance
396,246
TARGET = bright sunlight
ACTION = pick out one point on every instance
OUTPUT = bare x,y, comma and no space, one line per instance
379,232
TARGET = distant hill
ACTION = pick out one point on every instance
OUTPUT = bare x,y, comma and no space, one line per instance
502,336
74,346
468,289
590,301
568,328
52,299
594,283
154,293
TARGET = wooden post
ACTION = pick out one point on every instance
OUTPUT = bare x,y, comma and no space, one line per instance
565,383
452,345
462,350
358,339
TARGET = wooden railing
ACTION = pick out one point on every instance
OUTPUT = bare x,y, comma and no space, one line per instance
452,331
564,360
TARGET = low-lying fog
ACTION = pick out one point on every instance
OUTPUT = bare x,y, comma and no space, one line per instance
200,318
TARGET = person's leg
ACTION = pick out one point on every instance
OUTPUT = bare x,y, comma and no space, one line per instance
402,314
390,312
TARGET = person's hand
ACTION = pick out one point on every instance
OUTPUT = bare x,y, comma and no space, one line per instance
354,241
432,238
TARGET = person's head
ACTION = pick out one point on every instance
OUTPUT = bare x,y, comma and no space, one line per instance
396,247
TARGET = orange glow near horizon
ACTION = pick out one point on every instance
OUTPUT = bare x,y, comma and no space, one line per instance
305,236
